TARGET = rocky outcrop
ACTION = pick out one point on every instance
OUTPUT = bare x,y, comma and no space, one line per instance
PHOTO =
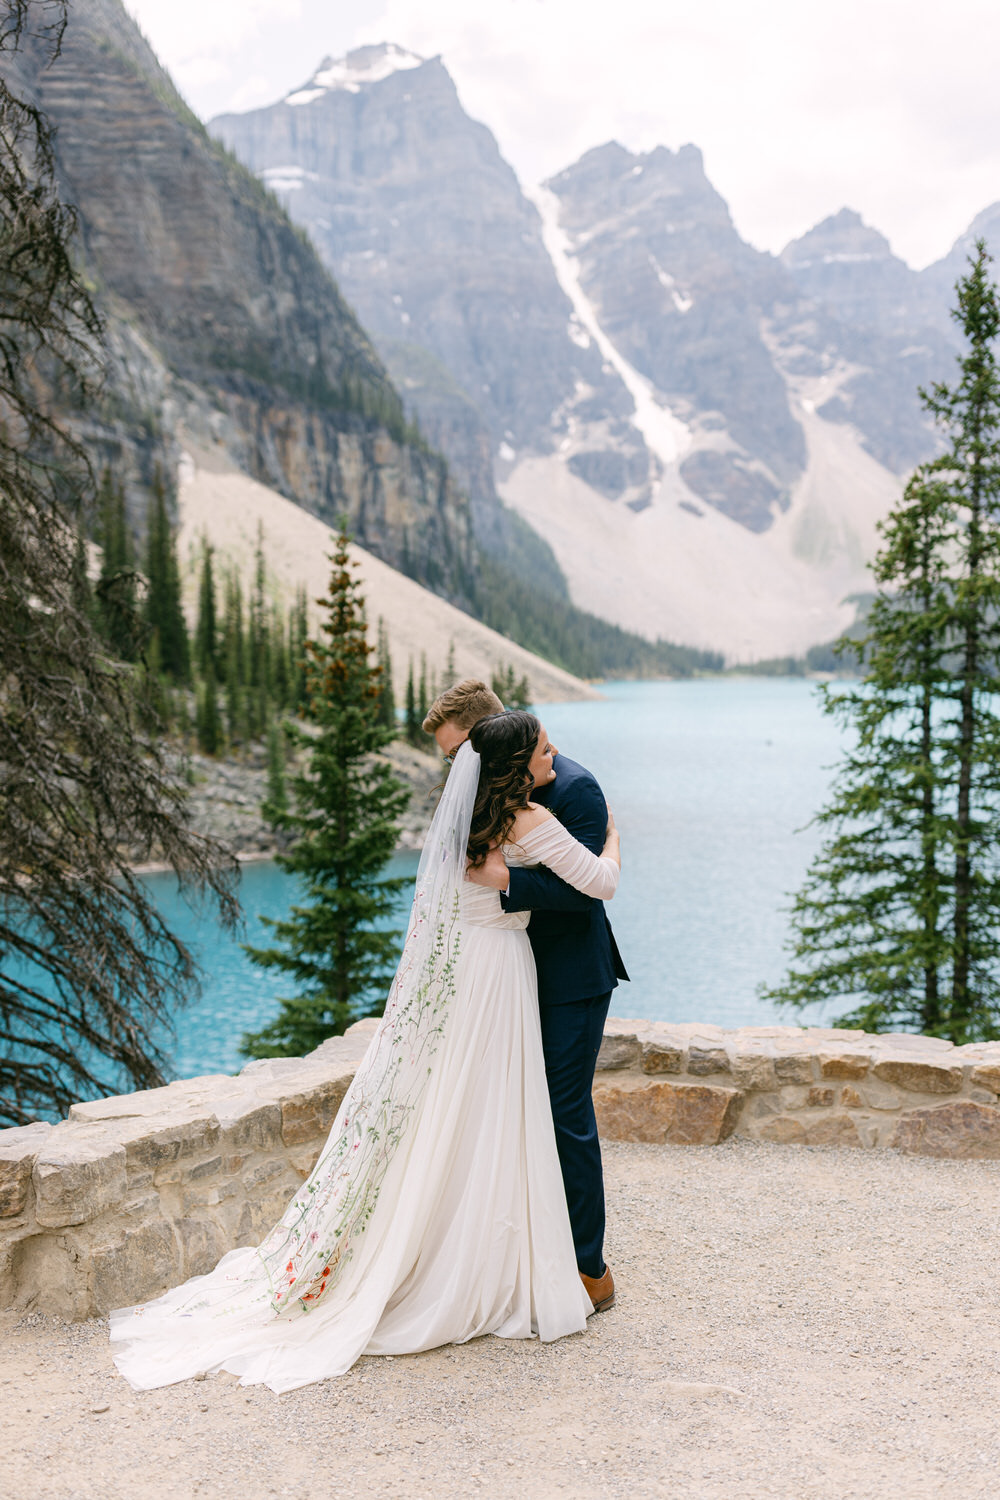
133,1194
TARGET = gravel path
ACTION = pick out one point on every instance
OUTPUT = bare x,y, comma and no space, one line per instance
791,1322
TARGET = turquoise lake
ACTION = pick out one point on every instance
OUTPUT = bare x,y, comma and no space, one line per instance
712,783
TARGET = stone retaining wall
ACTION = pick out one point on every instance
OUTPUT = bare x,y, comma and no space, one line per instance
135,1193
696,1085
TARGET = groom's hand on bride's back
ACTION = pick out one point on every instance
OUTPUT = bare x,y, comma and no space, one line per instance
492,873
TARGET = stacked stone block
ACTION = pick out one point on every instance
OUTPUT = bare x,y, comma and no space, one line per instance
814,1086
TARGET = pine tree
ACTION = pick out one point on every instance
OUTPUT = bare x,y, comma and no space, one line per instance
413,719
91,976
449,679
234,656
423,700
163,598
208,721
386,701
970,411
81,594
513,691
275,805
117,586
298,631
206,638
900,911
258,633
346,805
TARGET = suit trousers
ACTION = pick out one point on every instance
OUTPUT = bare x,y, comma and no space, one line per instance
571,1040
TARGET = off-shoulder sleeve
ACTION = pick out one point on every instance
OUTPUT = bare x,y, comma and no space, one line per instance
553,846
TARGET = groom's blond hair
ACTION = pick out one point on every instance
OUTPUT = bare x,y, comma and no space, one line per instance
464,704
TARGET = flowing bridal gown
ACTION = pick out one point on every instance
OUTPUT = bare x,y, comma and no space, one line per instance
436,1210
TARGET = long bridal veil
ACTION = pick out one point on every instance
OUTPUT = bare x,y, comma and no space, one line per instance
294,1270
304,1254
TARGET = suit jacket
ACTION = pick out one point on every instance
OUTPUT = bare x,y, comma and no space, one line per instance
575,950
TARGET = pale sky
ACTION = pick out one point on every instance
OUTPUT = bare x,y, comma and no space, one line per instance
890,107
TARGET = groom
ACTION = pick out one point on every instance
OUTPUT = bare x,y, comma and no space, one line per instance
578,966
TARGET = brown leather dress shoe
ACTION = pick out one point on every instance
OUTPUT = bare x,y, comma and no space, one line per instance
600,1289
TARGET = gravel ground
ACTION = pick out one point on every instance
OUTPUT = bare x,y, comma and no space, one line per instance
791,1322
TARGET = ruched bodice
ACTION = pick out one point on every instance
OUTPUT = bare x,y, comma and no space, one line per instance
480,907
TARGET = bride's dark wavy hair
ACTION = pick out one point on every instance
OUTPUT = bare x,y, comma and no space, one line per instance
505,744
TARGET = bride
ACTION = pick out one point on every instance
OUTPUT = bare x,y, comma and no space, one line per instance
436,1210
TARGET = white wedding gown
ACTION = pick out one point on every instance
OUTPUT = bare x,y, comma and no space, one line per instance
440,1176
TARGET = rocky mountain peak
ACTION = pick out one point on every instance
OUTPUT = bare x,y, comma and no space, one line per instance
668,277
626,178
425,226
355,71
849,268
842,238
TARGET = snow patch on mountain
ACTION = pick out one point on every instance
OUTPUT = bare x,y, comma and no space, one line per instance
355,71
665,434
286,179
304,96
669,283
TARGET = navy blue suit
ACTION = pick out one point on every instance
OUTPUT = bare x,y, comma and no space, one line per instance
578,966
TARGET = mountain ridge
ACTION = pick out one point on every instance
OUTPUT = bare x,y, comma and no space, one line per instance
677,373
708,378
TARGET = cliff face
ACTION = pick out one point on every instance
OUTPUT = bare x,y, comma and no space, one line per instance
683,298
222,317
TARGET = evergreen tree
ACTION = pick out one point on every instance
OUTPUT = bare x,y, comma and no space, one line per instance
970,413
117,586
208,721
164,615
450,678
275,805
234,657
258,633
81,594
413,719
91,976
279,660
900,911
386,701
513,691
423,700
206,639
298,631
346,802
